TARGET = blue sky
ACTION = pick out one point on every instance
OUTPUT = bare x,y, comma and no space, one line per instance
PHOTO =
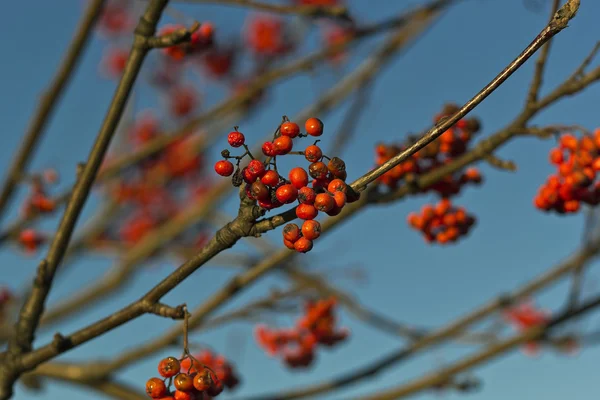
407,279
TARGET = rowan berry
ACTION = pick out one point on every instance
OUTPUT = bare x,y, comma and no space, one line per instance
291,232
334,211
256,168
269,204
286,194
298,177
306,195
288,244
236,139
337,185
259,191
336,166
156,388
168,367
324,202
290,129
270,178
303,245
283,145
314,126
313,153
268,149
311,229
318,170
306,211
182,395
183,382
224,168
248,176
202,380
339,198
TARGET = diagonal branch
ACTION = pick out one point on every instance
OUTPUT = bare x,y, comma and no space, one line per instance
49,101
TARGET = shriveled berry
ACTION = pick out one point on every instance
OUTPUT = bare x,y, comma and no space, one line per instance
291,232
303,245
224,168
324,202
156,388
314,126
290,129
306,195
306,211
286,194
268,149
311,229
298,177
236,139
168,367
336,166
313,153
256,168
259,191
318,170
270,178
183,382
202,380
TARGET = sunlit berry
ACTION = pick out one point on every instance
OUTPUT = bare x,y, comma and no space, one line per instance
306,211
290,129
224,168
283,145
313,153
286,194
168,367
314,127
311,229
303,245
236,139
270,178
298,177
156,388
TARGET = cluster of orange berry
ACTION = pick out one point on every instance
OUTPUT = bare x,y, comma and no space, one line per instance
199,380
577,163
297,345
442,223
450,145
326,192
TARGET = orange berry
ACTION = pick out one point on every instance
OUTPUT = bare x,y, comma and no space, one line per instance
311,229
303,245
324,202
337,185
283,145
306,195
183,382
168,367
314,127
156,388
290,129
286,194
313,153
202,380
298,177
291,232
339,198
306,212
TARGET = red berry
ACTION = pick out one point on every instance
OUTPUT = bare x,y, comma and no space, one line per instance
311,229
313,153
168,367
248,176
181,395
224,168
288,244
270,178
268,149
202,380
291,232
286,194
256,168
183,382
314,127
339,198
306,195
290,129
324,202
318,170
236,139
283,145
298,177
337,185
303,245
156,388
306,211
